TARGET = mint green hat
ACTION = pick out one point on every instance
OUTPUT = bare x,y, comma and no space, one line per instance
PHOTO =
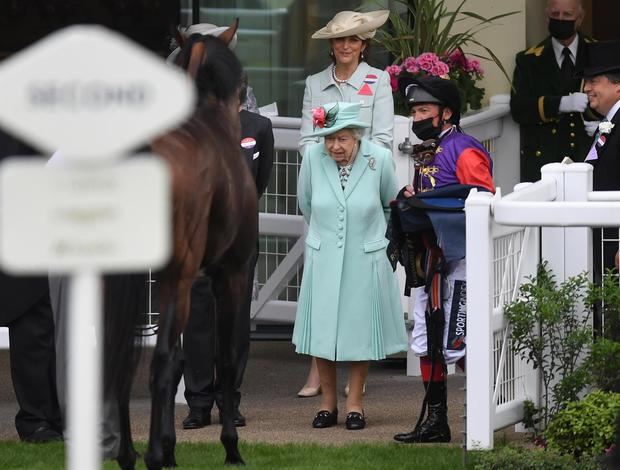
332,117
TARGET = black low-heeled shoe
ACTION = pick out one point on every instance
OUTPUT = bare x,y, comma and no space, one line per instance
355,421
325,419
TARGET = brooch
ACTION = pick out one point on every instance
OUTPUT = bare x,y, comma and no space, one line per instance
372,163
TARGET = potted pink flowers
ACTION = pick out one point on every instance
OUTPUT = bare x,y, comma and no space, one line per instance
455,66
421,42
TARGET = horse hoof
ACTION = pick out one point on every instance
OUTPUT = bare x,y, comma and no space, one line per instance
153,464
234,460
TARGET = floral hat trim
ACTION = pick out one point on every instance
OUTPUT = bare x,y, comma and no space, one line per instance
322,118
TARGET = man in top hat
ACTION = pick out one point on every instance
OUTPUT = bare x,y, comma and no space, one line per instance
601,75
458,159
546,99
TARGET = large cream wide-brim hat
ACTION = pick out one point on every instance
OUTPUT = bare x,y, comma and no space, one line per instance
353,23
206,29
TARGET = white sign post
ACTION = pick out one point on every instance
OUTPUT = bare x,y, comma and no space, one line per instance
93,95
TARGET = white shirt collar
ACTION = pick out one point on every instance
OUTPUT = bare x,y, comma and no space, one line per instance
446,131
558,47
612,112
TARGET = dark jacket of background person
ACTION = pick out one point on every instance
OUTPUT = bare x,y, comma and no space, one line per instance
25,309
547,135
202,388
260,156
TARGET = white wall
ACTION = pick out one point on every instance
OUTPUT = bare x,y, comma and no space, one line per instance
505,38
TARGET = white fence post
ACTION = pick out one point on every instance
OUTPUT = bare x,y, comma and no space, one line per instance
480,373
568,249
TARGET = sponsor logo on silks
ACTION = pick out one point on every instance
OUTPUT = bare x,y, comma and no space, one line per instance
458,317
370,79
248,143
365,90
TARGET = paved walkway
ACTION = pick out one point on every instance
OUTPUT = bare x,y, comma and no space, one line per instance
273,411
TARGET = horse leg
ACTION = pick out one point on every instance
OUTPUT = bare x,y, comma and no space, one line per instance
126,454
228,291
154,456
174,371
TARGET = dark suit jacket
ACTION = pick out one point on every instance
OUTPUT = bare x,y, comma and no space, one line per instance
606,177
257,146
606,173
547,135
17,294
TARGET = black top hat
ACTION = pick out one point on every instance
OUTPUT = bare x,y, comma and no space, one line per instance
431,89
601,57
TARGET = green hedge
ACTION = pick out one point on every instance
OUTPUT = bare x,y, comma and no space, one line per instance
586,427
509,458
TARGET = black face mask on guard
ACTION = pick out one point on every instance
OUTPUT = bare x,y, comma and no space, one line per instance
424,129
561,29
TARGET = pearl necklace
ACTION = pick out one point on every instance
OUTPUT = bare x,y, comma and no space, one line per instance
337,80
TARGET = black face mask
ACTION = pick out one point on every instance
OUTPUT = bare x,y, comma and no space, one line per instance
424,129
561,29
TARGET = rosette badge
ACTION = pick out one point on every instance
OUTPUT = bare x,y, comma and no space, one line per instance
322,118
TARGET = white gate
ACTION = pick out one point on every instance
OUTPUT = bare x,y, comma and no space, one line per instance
502,248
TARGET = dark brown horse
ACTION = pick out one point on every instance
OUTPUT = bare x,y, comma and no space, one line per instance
214,229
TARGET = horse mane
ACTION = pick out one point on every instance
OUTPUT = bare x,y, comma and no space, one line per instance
218,75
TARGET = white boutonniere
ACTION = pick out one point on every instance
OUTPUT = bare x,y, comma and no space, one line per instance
605,127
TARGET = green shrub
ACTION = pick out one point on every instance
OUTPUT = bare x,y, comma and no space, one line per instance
586,427
603,364
550,328
509,458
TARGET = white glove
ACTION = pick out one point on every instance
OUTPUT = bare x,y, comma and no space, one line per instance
574,103
591,127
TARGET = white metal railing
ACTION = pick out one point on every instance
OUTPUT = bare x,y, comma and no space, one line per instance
505,236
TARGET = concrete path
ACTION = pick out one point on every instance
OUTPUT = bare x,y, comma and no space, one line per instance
275,414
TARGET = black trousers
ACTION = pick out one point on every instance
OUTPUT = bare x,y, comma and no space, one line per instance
200,346
33,369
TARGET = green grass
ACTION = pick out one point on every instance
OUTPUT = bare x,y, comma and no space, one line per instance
15,455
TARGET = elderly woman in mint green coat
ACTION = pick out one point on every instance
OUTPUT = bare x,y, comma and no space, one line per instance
349,307
348,78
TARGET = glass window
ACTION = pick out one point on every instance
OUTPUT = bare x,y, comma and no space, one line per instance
274,42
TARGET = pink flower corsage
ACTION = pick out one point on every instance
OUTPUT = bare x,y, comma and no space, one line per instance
318,117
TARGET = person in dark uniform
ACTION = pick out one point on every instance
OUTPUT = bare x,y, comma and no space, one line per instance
546,98
202,387
26,311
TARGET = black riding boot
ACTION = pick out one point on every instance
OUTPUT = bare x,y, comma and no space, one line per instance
435,428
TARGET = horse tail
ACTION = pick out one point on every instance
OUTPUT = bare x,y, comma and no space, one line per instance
125,301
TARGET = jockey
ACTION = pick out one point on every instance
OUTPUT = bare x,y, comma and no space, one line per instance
447,158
